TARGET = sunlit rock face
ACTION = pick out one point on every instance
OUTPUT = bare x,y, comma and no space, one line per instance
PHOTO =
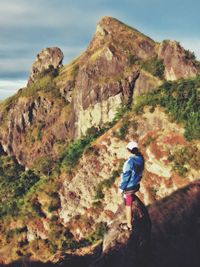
176,61
48,57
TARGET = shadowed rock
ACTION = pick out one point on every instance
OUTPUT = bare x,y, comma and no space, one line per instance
176,228
175,236
124,248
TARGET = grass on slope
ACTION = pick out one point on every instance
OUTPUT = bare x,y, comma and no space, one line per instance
15,182
181,100
45,82
73,152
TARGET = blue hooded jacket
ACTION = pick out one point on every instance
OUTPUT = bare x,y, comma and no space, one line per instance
132,172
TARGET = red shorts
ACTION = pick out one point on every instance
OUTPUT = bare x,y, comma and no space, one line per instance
128,199
129,195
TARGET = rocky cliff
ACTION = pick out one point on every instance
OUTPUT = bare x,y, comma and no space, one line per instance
70,126
179,63
62,103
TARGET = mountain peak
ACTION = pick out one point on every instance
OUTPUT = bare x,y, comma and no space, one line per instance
107,20
110,25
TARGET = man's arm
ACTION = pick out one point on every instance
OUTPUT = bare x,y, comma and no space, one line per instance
125,176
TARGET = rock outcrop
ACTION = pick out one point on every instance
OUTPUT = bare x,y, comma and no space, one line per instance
177,61
94,86
145,83
39,122
39,113
50,57
106,75
124,248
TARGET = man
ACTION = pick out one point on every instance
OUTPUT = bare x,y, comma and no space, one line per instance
130,180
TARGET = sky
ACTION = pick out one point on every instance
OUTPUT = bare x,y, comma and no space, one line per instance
27,26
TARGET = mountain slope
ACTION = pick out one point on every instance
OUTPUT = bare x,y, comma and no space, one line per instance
71,125
62,103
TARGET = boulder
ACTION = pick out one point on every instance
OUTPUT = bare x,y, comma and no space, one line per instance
50,57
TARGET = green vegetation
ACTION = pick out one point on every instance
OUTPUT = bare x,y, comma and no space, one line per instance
37,208
55,202
75,70
39,133
96,236
43,166
185,158
107,183
74,150
51,72
149,140
121,112
190,55
123,130
155,66
15,182
45,84
132,59
181,101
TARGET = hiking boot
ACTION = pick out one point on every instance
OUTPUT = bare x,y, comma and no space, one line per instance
124,226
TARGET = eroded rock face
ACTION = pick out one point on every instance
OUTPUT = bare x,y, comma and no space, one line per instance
111,29
145,83
175,60
18,136
94,104
94,87
123,248
51,56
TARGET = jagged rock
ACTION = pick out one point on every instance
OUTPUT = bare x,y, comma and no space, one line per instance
95,105
95,85
112,30
103,81
51,56
122,248
175,60
145,83
40,112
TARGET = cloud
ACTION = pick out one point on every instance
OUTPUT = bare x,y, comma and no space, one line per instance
10,87
27,27
10,65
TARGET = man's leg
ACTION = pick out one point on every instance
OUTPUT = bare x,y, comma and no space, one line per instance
129,200
129,216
